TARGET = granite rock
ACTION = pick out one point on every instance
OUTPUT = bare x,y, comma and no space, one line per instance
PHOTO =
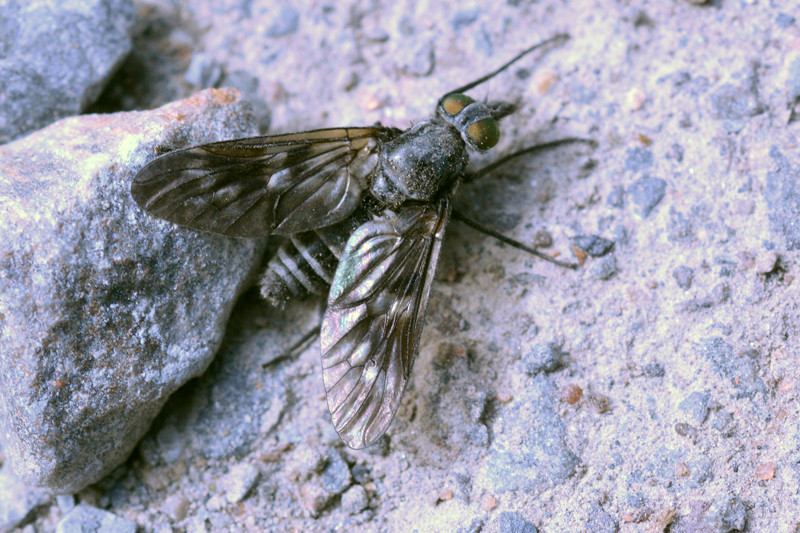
56,57
104,311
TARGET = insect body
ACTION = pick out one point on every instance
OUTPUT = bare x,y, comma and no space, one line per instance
365,210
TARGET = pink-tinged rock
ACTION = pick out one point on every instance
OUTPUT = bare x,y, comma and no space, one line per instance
104,311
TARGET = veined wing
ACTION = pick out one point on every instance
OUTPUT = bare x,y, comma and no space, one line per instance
376,308
257,186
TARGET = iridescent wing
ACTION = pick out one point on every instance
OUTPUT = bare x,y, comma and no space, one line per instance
376,308
257,186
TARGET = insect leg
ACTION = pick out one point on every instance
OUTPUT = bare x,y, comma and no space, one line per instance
296,348
469,178
511,242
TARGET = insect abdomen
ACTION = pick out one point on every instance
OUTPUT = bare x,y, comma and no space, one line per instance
306,262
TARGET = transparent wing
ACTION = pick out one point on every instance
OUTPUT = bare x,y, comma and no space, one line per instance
376,308
262,185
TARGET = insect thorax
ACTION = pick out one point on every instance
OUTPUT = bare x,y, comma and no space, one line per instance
419,164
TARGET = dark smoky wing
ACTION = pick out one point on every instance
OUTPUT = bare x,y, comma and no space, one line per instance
261,185
376,308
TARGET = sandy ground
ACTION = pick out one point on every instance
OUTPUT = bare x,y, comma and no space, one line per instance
651,390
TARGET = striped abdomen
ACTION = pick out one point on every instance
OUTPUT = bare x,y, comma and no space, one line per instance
306,262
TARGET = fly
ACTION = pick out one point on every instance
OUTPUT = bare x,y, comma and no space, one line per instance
365,211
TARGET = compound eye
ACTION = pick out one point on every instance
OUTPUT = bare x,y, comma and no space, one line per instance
453,104
485,133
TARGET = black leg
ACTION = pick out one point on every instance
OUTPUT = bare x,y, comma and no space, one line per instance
296,348
469,178
511,242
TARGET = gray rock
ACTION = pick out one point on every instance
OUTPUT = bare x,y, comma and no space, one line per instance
734,102
17,501
638,159
175,507
542,357
727,513
65,502
662,464
239,481
634,499
793,82
604,268
683,277
106,311
511,522
696,405
645,194
741,370
702,469
581,94
722,421
676,152
86,519
354,500
784,20
593,245
336,475
680,228
654,370
285,23
203,71
48,74
529,451
782,193
601,522
616,198
464,18
719,294
236,403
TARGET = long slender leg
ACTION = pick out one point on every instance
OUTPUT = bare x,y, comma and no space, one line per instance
296,348
502,161
469,178
511,242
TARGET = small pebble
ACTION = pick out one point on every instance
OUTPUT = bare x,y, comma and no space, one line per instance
572,394
86,518
175,507
542,239
635,99
239,481
315,498
766,262
542,357
65,502
765,471
354,500
544,80
488,502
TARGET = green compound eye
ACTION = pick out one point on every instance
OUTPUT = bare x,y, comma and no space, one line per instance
485,133
455,103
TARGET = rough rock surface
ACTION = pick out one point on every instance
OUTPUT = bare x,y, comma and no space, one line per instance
56,57
104,311
673,403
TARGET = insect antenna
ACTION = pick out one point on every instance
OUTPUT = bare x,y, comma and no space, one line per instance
511,242
555,39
